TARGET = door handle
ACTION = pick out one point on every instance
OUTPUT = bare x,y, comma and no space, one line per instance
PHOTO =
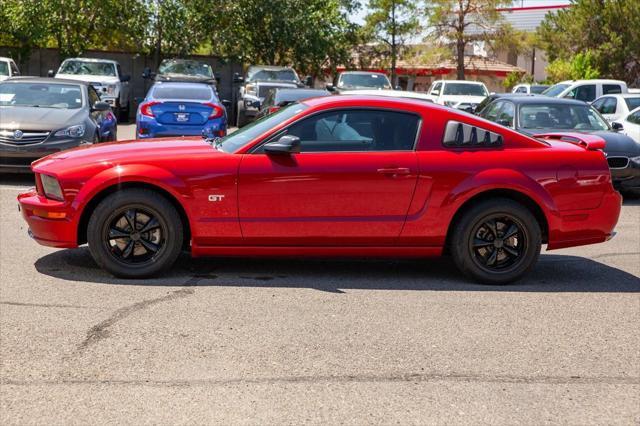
394,171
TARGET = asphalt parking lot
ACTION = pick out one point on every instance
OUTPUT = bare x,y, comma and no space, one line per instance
317,341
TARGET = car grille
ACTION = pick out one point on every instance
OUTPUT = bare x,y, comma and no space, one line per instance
22,137
618,162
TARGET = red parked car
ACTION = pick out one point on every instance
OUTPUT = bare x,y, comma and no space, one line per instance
332,176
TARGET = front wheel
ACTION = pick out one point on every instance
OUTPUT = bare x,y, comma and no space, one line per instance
496,242
135,233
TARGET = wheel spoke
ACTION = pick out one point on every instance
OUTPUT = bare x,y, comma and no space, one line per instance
513,230
491,224
128,249
150,225
149,246
511,251
130,216
115,233
492,259
478,243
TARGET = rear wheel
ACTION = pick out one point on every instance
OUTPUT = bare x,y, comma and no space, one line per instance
135,233
496,242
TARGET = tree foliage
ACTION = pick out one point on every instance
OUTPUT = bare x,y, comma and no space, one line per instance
391,24
464,21
608,29
580,67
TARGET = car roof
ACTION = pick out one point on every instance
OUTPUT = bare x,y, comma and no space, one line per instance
47,80
348,100
522,100
593,80
91,60
621,95
4,58
388,93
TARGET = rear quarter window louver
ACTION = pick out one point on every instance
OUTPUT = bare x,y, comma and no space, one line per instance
461,135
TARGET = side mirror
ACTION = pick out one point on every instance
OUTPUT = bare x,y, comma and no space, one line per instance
51,73
308,81
330,87
226,103
287,144
617,126
101,106
237,78
125,78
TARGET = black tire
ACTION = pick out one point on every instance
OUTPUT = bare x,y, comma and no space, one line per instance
488,228
135,253
241,117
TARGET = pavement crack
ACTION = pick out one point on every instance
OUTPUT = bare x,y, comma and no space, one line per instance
46,305
101,330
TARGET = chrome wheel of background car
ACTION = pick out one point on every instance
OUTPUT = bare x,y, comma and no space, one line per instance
135,236
498,243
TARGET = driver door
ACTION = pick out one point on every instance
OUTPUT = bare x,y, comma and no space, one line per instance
352,183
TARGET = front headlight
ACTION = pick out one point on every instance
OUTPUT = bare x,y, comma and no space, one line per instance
251,89
76,131
111,89
51,187
635,159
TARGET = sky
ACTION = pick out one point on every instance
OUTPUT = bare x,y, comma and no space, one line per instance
359,17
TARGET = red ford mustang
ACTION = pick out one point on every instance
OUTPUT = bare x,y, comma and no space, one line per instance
333,176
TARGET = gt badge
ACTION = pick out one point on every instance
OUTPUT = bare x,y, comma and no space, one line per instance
214,197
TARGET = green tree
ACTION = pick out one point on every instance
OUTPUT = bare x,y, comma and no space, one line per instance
391,24
606,28
23,26
465,21
580,67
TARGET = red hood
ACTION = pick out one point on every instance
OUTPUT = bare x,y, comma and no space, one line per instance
120,153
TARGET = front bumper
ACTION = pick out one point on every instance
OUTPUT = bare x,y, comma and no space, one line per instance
60,232
627,177
18,158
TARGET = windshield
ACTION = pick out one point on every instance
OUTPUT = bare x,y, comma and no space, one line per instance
555,90
43,95
194,68
465,89
279,75
240,138
538,89
632,103
88,68
373,81
561,116
4,68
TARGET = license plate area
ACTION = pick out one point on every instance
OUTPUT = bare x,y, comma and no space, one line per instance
182,117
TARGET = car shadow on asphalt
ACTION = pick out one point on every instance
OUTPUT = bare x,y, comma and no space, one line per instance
553,273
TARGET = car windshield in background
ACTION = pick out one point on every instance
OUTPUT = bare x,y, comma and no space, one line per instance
561,117
555,90
189,93
62,96
88,68
632,103
464,89
4,68
373,81
275,75
240,138
194,68
538,89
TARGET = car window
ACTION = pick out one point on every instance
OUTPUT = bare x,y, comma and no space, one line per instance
14,68
611,89
559,116
201,93
119,70
372,81
285,74
436,87
464,89
506,114
634,118
555,90
521,89
632,103
491,111
538,89
185,67
4,68
585,92
599,104
93,96
608,106
88,68
356,130
41,95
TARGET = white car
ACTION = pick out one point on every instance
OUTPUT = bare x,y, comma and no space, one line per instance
8,68
104,75
586,90
390,93
528,89
631,125
461,94
616,107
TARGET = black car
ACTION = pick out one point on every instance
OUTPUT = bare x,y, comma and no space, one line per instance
533,115
278,98
41,116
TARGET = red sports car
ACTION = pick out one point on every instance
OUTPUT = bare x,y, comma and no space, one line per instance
333,176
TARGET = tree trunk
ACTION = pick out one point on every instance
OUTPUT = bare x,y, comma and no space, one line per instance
460,52
393,44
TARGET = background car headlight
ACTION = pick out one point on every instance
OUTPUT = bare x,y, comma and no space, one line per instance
635,159
252,89
76,131
111,89
51,187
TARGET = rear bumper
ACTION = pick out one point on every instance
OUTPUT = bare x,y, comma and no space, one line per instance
152,129
61,233
581,227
